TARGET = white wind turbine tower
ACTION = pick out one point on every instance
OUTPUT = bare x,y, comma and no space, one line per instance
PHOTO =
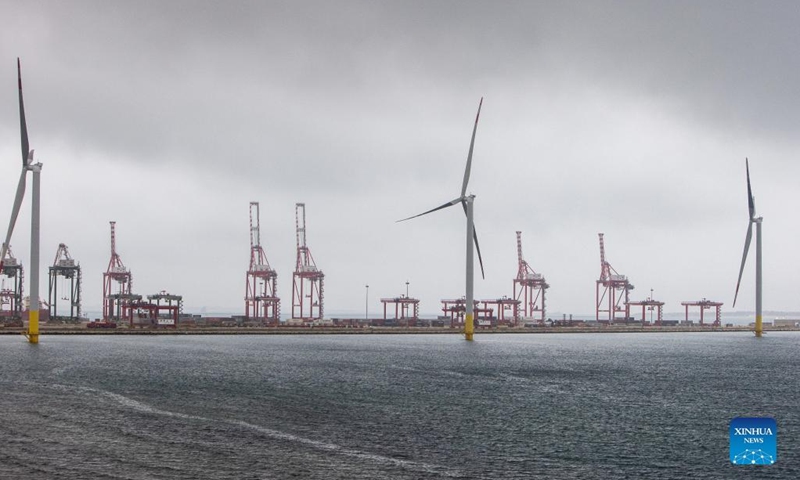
466,202
36,168
751,204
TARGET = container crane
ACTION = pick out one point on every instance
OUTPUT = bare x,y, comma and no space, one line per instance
612,291
529,290
308,292
11,296
69,271
117,283
261,299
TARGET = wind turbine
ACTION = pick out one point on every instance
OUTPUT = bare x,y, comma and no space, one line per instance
36,168
466,202
757,220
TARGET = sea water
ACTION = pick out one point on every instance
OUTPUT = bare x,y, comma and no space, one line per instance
552,406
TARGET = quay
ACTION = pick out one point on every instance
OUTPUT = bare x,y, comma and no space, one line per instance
80,329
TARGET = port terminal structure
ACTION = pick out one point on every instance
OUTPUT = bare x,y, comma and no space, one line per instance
11,293
648,304
120,304
261,301
454,310
502,305
67,272
153,313
117,283
308,289
529,290
406,309
168,302
612,291
705,305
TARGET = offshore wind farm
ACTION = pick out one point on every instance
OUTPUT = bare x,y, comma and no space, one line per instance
122,307
175,165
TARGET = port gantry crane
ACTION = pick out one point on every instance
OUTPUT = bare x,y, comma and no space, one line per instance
308,281
705,305
650,304
66,268
11,298
615,290
116,273
529,290
261,298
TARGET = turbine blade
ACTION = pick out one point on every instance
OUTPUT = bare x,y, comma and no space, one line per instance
744,259
478,249
469,155
14,212
751,203
448,204
475,237
23,126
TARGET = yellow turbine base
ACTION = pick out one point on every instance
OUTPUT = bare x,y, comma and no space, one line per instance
33,326
759,327
469,327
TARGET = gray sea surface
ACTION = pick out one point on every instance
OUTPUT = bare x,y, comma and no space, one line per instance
636,406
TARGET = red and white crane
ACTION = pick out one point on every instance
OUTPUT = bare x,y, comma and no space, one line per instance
261,298
615,290
117,282
308,292
529,290
705,305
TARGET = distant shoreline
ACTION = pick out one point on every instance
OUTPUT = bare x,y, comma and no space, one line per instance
319,330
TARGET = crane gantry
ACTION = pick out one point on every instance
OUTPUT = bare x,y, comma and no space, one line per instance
529,290
615,290
308,291
117,283
69,271
261,300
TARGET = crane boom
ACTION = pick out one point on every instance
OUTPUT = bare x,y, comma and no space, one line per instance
604,266
520,259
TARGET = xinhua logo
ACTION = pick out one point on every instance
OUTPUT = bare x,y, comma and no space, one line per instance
754,441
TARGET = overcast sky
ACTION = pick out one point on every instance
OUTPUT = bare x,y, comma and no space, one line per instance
628,118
